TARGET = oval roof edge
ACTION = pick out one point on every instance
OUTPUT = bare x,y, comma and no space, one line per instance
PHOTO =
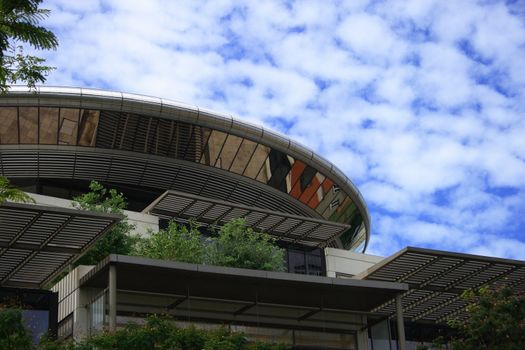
272,135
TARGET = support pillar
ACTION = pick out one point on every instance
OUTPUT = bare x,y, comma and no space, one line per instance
112,312
400,324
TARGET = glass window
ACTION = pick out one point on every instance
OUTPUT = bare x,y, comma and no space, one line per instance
229,151
193,150
88,127
294,175
334,205
28,123
97,313
319,200
244,155
296,262
68,126
311,190
48,126
256,162
314,264
277,166
8,125
213,148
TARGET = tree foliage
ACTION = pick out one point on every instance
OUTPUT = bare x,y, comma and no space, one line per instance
119,239
496,320
234,245
239,246
19,23
176,242
13,334
11,193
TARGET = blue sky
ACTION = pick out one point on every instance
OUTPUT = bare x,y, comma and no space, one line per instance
420,103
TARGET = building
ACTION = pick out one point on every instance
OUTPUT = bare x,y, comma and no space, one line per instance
174,161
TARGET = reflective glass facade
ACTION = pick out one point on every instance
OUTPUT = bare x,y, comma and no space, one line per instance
30,125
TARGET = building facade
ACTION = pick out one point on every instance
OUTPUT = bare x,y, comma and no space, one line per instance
178,162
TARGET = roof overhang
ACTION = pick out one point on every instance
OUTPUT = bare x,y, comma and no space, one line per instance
85,98
277,295
436,280
37,242
284,227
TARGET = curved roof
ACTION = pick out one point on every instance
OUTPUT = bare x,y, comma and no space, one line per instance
150,130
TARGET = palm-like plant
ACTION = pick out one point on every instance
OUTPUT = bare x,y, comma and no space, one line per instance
8,192
19,22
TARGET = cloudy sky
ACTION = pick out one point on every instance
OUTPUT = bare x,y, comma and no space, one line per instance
421,103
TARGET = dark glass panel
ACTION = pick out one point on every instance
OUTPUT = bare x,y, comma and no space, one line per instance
193,149
68,126
28,123
356,234
8,125
244,155
275,170
229,151
88,127
314,264
296,262
256,162
48,125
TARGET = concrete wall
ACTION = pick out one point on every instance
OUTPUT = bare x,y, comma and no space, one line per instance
143,222
343,263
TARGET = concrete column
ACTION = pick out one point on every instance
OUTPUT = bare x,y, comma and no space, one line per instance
400,324
362,335
112,297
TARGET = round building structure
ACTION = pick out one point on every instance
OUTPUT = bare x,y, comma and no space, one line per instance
178,161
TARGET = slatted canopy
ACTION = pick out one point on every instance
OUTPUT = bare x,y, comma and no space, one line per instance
37,242
285,227
436,280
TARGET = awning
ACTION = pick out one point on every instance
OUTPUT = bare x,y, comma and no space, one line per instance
284,227
436,280
240,295
37,242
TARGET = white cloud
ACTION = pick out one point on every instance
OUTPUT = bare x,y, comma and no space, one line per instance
421,103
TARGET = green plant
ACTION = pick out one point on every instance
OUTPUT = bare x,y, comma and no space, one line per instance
239,246
9,192
13,334
19,22
176,242
496,320
119,240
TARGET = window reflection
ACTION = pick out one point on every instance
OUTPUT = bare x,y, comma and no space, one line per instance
28,124
88,127
48,126
325,195
244,155
213,148
68,126
8,125
229,151
256,162
311,190
333,204
275,169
